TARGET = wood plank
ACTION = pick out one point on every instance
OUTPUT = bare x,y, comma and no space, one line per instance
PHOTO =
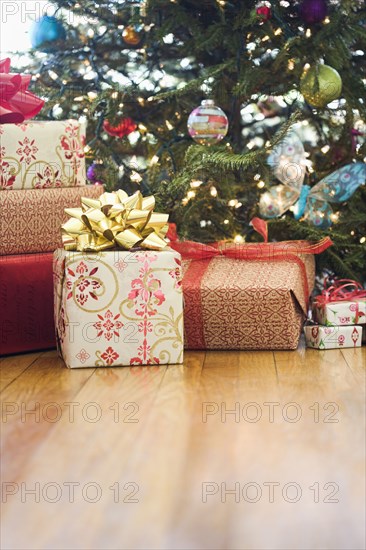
175,449
12,366
46,381
356,360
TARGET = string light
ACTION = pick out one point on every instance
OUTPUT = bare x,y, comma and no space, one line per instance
238,239
191,194
260,184
154,160
226,222
325,149
196,183
326,21
169,125
363,240
213,191
308,33
232,202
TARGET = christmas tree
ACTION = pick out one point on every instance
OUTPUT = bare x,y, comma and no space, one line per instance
137,69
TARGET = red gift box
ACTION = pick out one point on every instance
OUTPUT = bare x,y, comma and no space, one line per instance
26,303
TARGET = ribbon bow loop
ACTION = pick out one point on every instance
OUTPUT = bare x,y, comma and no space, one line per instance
115,220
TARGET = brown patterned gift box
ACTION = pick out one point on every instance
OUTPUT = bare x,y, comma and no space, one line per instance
247,296
31,218
40,155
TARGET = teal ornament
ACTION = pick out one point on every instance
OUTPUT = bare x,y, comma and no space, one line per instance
45,31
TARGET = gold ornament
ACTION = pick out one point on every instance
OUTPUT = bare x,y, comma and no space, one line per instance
320,85
131,36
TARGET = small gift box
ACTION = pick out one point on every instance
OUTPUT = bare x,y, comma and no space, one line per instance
250,296
342,303
321,337
31,219
40,155
118,296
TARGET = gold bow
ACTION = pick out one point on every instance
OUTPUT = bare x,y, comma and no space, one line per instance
115,220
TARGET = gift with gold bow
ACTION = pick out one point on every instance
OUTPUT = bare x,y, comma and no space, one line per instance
115,221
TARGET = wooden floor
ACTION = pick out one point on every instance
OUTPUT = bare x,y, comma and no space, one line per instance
152,458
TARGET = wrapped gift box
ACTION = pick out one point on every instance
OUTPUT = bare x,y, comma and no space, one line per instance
341,313
240,304
321,337
39,155
26,303
30,220
117,307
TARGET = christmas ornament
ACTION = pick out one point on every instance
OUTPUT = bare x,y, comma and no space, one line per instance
45,31
263,10
288,161
132,35
320,85
92,173
313,11
124,128
207,124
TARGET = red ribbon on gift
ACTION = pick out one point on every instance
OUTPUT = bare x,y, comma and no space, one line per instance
342,290
278,251
191,250
16,102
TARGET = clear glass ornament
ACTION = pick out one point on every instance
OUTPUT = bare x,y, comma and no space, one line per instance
207,124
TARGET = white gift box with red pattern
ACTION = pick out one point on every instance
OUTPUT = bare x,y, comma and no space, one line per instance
342,313
322,337
117,308
39,155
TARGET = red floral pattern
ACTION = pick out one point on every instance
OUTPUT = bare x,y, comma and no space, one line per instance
27,150
48,178
7,177
83,356
108,325
145,297
109,356
177,273
82,284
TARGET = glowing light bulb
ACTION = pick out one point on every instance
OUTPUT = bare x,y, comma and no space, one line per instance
261,184
213,191
196,183
238,239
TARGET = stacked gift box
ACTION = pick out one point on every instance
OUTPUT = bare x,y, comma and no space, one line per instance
42,171
339,315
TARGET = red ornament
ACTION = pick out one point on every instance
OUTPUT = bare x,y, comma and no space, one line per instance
263,9
124,128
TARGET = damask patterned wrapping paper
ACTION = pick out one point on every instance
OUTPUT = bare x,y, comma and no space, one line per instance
26,303
39,155
239,304
30,220
118,308
320,337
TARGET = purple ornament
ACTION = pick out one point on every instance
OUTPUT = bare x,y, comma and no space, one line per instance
313,11
91,172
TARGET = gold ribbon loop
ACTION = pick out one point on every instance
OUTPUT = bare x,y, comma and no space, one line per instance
116,220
